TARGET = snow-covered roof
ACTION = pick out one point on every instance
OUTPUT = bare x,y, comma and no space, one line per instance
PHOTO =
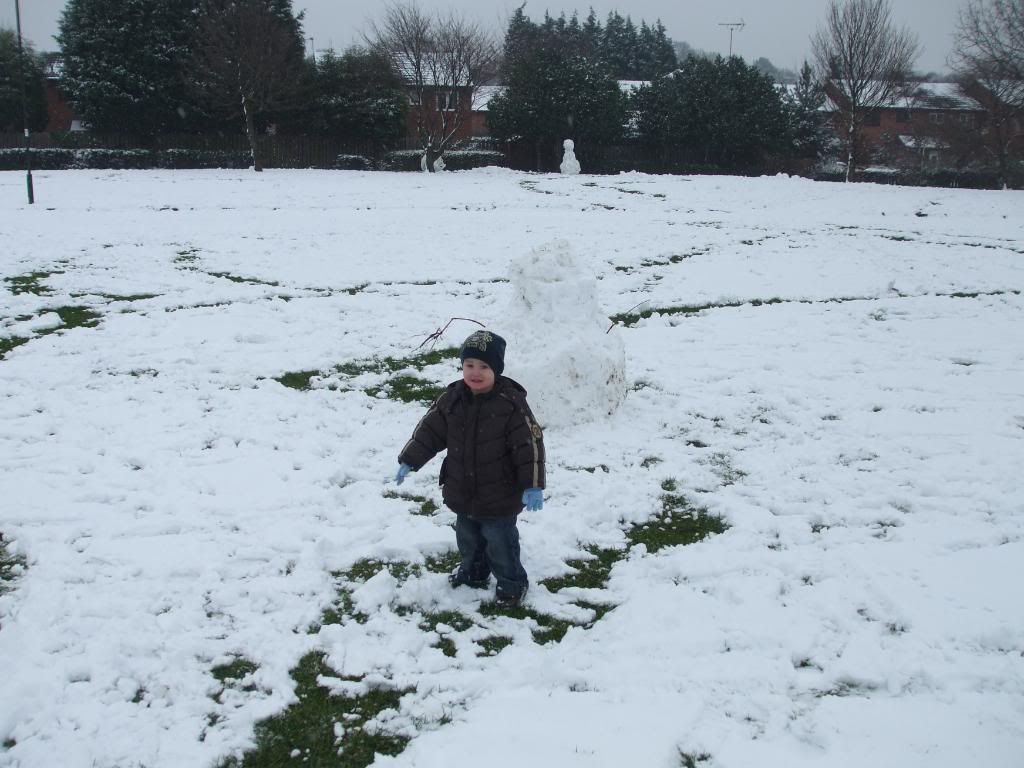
946,96
483,94
430,67
936,96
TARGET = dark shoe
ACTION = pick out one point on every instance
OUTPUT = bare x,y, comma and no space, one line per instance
510,599
459,579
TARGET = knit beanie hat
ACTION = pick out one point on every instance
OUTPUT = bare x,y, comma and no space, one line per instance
486,346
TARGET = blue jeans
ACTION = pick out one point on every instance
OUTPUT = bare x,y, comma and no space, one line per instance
491,546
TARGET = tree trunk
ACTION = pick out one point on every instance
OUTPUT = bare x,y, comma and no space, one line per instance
850,154
250,132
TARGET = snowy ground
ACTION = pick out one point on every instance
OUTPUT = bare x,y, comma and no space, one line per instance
178,509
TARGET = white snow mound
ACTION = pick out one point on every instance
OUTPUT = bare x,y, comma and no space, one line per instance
559,347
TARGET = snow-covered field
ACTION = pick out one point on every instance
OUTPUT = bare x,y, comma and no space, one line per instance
178,509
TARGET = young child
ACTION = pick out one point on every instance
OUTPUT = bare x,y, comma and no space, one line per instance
494,466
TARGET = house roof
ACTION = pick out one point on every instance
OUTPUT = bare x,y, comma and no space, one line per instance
937,96
944,96
483,94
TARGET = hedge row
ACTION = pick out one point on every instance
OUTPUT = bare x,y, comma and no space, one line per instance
65,159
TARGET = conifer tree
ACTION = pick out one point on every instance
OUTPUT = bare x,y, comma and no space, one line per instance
125,63
12,69
719,112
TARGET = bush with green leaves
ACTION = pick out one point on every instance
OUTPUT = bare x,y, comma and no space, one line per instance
353,163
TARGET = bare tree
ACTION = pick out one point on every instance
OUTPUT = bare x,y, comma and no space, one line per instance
867,60
249,61
988,57
443,60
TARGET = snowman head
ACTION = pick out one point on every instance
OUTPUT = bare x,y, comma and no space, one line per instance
568,145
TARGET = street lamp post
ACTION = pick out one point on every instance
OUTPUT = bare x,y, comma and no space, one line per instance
24,108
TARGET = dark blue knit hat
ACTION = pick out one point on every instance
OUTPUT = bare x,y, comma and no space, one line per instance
486,346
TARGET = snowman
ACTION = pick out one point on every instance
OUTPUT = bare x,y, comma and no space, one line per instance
570,165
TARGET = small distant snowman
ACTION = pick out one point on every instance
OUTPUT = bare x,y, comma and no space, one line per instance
570,166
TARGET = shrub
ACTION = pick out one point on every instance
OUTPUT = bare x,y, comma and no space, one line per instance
42,159
203,158
353,163
112,158
402,160
454,160
466,159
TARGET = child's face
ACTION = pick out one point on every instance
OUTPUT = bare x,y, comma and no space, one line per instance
478,375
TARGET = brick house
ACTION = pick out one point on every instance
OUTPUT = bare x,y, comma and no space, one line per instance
60,114
919,128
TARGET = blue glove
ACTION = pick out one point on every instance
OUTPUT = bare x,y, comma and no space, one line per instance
533,498
403,470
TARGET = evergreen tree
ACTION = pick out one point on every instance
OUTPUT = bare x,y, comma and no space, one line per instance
807,126
721,112
663,53
556,95
616,48
12,69
125,63
359,97
592,34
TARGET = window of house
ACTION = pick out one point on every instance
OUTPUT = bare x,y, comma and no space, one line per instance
935,118
902,115
447,101
874,117
414,98
967,119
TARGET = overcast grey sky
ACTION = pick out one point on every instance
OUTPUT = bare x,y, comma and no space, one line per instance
777,29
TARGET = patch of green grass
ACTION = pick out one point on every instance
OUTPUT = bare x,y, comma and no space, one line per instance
11,566
427,506
129,297
31,282
589,573
678,523
234,671
493,645
322,730
7,343
549,628
247,280
298,380
445,563
364,570
418,361
631,318
76,317
407,389
453,619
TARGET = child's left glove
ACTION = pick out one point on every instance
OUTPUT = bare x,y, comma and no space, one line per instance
533,498
403,470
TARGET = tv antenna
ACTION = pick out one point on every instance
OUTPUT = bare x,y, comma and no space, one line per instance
733,26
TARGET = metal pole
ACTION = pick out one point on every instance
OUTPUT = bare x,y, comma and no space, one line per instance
24,108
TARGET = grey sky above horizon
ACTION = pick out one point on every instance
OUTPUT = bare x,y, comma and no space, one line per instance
777,30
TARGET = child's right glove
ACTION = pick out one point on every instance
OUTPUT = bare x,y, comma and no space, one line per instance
403,470
533,498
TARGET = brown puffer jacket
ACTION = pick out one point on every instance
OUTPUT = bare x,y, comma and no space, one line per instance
495,448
